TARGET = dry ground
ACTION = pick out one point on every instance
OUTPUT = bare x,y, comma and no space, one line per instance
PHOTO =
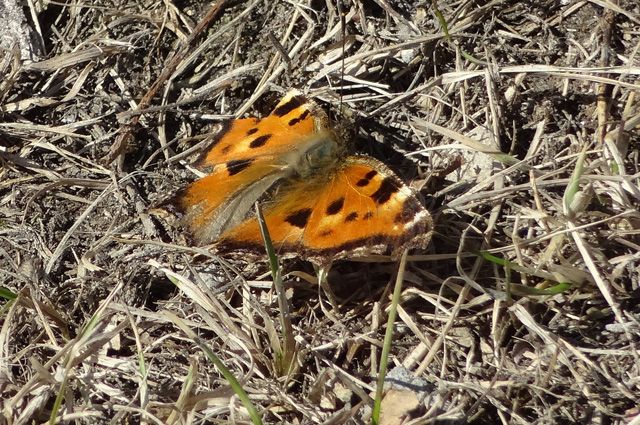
517,122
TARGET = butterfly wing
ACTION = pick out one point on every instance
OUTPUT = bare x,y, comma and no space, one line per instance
361,208
245,159
294,119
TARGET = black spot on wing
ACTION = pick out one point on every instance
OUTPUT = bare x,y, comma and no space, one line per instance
352,216
299,218
260,141
224,129
367,178
325,233
336,206
226,149
410,208
368,216
302,116
293,103
252,131
387,188
235,166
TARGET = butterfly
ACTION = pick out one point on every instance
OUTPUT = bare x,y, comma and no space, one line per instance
318,203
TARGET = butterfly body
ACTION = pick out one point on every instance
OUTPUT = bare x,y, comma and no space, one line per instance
321,205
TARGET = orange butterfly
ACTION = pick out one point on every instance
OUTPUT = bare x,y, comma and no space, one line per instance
321,205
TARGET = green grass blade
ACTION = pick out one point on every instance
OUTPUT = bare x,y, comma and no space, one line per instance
7,294
285,359
226,373
388,339
557,287
573,188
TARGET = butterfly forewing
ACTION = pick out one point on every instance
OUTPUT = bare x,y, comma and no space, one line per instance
245,159
291,121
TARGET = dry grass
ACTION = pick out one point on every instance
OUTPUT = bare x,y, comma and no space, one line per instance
518,122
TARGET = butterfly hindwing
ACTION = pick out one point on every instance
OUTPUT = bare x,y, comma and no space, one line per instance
209,206
361,207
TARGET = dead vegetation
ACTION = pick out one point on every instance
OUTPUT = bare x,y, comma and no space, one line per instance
517,121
